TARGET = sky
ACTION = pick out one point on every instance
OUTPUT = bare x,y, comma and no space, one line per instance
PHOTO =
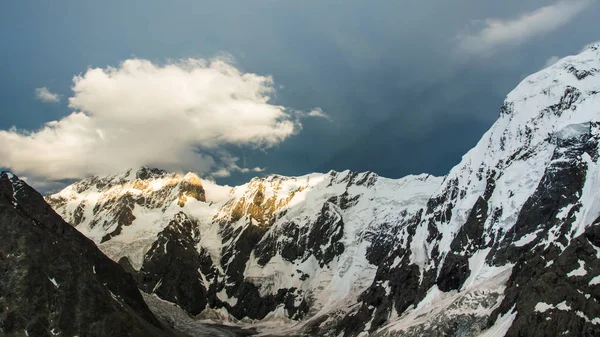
237,89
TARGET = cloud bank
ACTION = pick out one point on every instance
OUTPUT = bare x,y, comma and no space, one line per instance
45,95
180,115
497,33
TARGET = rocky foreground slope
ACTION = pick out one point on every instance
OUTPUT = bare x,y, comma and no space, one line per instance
54,281
508,243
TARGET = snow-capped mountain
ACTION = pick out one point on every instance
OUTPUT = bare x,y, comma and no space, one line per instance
508,243
522,199
276,246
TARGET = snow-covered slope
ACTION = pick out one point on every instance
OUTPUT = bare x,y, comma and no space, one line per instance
506,243
124,213
303,243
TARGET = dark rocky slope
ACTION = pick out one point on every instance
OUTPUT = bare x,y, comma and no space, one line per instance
55,281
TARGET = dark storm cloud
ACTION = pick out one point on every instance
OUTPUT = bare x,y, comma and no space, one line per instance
408,86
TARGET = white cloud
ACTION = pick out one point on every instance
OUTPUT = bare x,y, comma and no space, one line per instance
318,112
314,113
551,61
221,173
498,33
175,116
45,95
228,164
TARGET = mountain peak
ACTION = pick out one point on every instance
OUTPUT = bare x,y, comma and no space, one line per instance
145,173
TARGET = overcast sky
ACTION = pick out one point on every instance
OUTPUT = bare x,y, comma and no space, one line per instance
235,89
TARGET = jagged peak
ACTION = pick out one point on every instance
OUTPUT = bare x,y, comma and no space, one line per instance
569,70
155,184
9,176
15,182
543,103
145,173
191,176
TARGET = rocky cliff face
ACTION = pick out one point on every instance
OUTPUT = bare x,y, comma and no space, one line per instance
505,244
55,281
